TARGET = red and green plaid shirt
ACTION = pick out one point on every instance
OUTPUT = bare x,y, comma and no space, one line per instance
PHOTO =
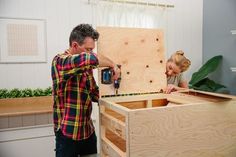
74,89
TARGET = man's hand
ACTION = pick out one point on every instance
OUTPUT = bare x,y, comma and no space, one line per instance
117,72
170,88
106,62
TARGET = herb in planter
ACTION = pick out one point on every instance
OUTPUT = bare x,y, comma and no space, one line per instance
20,93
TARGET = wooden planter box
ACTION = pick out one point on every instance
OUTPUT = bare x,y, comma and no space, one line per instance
22,112
15,106
182,124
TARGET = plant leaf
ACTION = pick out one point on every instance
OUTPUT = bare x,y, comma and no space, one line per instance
208,85
210,66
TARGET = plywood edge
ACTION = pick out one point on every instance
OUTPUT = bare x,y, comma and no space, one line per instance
214,94
135,97
127,124
179,100
167,107
184,99
120,109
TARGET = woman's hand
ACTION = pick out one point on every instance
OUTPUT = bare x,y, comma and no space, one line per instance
170,88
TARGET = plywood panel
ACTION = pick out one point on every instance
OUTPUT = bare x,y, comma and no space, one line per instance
134,104
111,123
117,140
203,130
108,148
140,52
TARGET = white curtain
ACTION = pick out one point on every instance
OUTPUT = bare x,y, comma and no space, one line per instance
128,15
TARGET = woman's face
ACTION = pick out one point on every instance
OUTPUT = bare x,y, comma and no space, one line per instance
172,69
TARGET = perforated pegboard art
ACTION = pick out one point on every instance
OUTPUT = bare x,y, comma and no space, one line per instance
140,52
22,40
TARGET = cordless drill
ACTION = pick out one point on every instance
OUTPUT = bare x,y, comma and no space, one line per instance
107,75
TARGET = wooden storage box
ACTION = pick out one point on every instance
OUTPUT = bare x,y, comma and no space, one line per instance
159,125
182,124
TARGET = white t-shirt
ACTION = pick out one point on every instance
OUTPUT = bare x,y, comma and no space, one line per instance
175,80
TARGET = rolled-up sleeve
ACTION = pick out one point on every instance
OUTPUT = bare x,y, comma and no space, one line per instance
71,65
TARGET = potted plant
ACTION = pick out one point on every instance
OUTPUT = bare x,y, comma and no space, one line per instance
200,80
25,101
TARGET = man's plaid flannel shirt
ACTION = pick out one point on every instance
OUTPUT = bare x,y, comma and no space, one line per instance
74,89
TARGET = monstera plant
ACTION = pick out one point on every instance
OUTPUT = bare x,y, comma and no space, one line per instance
200,80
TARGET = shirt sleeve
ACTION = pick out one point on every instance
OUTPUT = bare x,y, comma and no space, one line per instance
95,93
71,65
181,78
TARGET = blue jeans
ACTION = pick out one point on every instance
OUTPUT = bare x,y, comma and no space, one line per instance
66,147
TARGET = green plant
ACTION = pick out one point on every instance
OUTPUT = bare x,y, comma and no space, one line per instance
27,92
4,93
199,79
19,93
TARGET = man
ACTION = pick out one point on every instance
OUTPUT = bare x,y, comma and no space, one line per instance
74,89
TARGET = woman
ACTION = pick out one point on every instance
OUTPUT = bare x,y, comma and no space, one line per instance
175,66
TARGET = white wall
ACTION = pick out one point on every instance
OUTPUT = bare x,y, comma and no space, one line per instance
61,16
184,32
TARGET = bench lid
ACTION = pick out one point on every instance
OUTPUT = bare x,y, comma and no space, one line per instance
141,54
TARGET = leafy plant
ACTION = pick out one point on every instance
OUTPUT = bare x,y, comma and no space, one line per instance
14,93
199,79
19,93
48,91
38,92
27,92
4,93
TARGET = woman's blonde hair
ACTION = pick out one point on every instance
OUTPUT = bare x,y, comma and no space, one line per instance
180,60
